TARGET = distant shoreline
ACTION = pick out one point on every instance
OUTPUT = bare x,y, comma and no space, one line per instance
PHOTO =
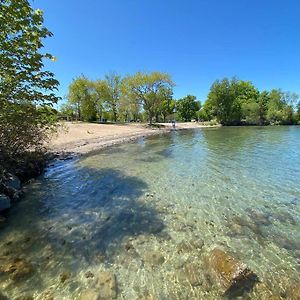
79,138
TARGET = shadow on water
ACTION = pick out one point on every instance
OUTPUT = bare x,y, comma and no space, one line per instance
87,216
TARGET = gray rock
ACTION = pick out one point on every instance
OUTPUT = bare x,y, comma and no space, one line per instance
4,202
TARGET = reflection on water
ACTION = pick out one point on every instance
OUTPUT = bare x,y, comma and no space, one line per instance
150,212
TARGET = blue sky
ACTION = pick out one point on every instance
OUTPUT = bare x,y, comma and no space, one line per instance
196,41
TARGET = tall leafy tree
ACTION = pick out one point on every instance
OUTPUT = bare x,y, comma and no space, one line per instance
188,107
147,89
112,93
82,95
226,99
27,90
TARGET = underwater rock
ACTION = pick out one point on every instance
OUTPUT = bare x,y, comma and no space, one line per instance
262,292
89,274
2,220
26,297
259,217
189,246
3,297
12,181
89,295
4,202
17,269
147,296
108,285
190,274
154,258
235,229
244,222
287,243
233,276
64,276
294,292
129,246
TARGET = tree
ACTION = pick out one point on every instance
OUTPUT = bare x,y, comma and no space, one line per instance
82,96
277,113
146,88
99,88
26,89
226,98
167,103
67,110
188,107
112,93
297,114
263,100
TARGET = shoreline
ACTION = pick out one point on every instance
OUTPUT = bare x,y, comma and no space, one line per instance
73,141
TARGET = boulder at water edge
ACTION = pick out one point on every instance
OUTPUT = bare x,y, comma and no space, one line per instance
232,276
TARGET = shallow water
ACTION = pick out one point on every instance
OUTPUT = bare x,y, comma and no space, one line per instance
234,188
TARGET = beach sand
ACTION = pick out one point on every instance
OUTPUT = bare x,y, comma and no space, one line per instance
80,138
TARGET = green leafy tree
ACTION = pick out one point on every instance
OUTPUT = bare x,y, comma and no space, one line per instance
167,103
188,107
82,96
111,93
67,110
99,87
147,89
277,113
27,91
226,100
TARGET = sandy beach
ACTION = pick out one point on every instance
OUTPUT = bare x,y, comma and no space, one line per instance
80,138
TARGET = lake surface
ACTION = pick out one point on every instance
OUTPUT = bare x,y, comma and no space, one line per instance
128,209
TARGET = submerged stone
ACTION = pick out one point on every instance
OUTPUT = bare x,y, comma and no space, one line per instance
18,269
108,286
294,292
64,276
3,297
232,276
12,181
154,258
189,273
262,292
4,202
26,297
189,246
90,295
89,274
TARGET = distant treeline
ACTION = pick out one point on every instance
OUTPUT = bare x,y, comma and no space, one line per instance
236,102
138,97
149,97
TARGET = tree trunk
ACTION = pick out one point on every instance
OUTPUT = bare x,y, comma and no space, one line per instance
115,116
156,118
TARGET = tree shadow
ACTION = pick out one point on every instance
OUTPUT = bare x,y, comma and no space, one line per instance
86,218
